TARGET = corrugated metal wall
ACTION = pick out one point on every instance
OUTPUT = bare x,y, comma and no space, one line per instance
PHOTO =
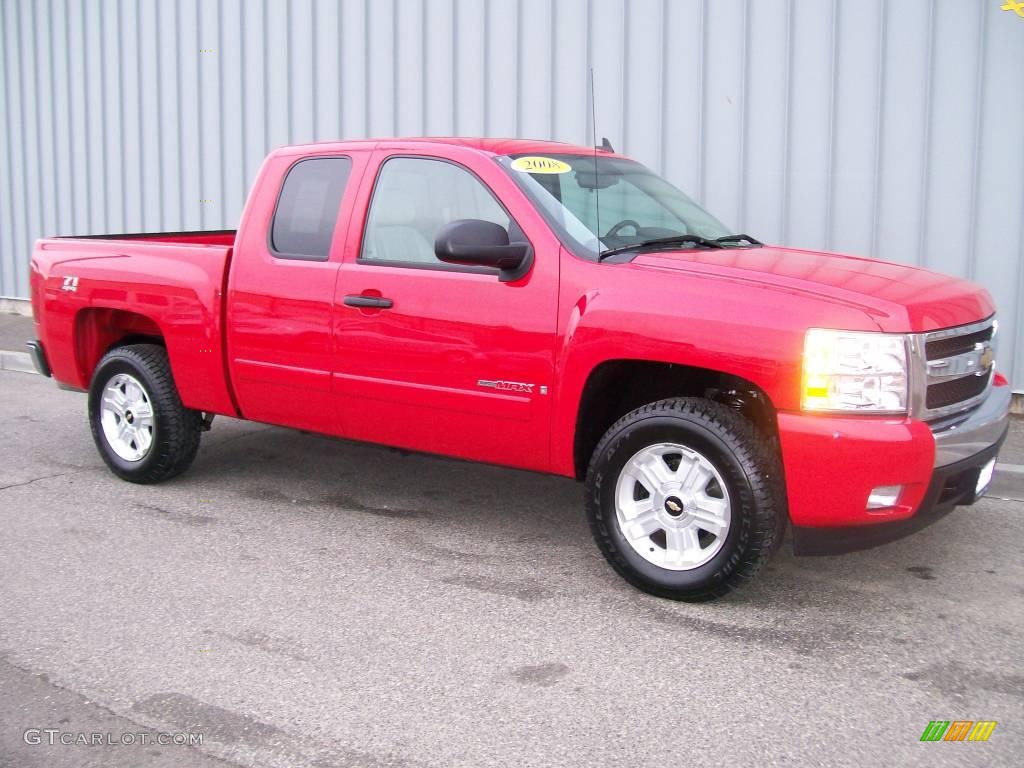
884,127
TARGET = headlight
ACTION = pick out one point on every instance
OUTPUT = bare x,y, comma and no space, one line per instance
854,371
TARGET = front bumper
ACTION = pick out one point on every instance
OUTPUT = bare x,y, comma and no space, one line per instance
832,464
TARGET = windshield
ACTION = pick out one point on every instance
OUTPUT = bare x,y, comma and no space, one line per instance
636,205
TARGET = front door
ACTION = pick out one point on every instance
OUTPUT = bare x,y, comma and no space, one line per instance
437,357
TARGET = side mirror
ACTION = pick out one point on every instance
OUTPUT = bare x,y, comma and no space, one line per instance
482,244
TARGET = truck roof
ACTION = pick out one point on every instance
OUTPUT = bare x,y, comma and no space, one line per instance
492,146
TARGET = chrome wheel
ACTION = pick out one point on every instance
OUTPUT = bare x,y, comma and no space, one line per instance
126,414
672,506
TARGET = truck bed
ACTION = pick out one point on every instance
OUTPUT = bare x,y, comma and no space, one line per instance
197,237
96,289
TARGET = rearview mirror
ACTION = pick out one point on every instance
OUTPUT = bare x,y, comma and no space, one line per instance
482,244
591,180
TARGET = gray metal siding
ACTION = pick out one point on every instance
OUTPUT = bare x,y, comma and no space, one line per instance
883,127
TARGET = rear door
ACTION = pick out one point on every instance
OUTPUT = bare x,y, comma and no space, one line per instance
281,290
450,360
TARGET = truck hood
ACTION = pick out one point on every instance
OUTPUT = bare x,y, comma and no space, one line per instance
899,298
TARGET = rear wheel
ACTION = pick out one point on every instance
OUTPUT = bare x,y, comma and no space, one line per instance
685,499
142,430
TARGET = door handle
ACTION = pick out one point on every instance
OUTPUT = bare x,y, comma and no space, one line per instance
374,302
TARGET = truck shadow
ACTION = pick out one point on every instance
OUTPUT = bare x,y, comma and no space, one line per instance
533,525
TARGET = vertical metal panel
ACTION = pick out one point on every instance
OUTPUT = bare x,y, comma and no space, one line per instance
642,81
112,122
8,244
234,124
254,89
534,54
854,133
148,97
810,135
724,89
952,132
410,81
888,128
682,106
210,58
569,114
327,72
32,169
765,118
17,189
128,59
502,90
438,67
904,136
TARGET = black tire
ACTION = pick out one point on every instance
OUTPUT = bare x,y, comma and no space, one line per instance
176,429
746,460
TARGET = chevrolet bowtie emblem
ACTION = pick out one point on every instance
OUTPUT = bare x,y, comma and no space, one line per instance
673,506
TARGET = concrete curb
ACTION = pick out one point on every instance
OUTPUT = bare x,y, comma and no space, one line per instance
16,361
14,306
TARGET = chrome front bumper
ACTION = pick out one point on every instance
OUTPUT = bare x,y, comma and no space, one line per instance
982,428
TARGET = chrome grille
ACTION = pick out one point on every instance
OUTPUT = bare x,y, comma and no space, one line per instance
949,346
948,393
953,369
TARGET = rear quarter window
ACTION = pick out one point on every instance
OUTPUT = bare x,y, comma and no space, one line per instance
307,208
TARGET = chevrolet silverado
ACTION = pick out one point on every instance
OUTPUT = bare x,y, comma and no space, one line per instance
553,308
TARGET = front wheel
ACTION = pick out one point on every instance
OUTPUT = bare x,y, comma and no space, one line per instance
685,499
142,430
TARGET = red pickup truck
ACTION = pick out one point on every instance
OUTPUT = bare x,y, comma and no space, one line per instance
554,308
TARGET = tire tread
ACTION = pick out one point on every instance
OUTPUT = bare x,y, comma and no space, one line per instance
178,428
760,459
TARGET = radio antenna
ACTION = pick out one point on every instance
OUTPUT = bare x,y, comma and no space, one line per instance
597,181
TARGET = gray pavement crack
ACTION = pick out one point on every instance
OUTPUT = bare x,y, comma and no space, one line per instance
43,477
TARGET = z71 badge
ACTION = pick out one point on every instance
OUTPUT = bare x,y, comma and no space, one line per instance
70,284
508,386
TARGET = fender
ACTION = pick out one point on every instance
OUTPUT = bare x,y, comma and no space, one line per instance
700,321
130,290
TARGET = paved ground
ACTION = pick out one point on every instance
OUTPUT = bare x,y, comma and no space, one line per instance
302,601
15,330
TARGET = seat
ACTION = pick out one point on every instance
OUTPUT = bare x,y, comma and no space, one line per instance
394,235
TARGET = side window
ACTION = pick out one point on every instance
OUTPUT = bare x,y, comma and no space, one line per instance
413,198
307,209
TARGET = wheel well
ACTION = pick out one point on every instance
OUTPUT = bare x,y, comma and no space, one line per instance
99,329
617,387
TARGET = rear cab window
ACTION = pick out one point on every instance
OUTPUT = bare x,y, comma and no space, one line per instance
307,208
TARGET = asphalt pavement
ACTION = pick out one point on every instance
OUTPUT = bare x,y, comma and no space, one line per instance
298,600
15,330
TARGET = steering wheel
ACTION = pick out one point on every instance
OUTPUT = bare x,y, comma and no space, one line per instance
614,231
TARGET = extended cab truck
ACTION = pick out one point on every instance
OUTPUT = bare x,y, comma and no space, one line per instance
554,308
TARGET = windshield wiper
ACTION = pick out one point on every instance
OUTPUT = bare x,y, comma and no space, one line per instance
738,239
660,241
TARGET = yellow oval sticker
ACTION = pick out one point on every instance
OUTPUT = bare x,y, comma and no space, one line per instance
540,165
